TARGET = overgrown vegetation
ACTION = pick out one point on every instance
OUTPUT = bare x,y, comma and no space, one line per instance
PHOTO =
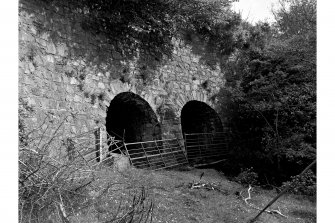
247,177
269,101
57,185
270,96
302,184
145,29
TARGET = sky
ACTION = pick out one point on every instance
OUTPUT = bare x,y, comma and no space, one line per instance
255,10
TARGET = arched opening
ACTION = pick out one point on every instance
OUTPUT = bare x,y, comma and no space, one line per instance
198,117
203,133
131,118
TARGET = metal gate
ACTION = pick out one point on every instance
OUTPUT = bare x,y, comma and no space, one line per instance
206,148
155,155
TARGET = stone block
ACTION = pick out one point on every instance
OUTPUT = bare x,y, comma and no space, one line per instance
121,163
41,41
73,80
62,105
50,59
69,89
73,129
68,98
62,50
101,85
77,98
27,37
38,60
194,95
50,48
31,101
53,104
65,79
56,77
36,91
44,103
33,30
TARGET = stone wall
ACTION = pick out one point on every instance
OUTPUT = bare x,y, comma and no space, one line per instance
67,72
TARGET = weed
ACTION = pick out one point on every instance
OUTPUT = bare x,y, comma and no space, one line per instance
247,177
62,189
302,184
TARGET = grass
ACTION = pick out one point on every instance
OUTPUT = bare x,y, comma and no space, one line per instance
174,201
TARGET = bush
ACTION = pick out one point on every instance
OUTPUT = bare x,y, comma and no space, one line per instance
62,189
302,185
247,177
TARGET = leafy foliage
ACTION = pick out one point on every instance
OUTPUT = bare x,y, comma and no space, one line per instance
270,97
145,29
302,185
247,177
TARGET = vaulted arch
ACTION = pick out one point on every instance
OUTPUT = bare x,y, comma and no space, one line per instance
198,117
130,117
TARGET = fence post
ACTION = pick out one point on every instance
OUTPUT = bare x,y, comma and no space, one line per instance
98,144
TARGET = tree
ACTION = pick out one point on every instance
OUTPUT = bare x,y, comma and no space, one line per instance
270,97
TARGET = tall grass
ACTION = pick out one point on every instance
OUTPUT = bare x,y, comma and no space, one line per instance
56,185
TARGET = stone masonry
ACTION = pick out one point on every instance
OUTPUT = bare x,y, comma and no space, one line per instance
59,75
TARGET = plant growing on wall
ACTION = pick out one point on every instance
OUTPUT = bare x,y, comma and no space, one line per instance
128,29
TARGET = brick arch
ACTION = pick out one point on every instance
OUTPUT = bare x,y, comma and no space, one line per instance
117,87
182,100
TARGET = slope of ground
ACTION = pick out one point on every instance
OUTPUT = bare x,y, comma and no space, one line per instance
167,196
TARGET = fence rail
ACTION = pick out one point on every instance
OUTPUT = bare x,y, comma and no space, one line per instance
202,148
95,147
158,154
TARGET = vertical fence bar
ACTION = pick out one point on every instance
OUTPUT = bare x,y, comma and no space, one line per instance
97,144
185,137
185,154
146,156
199,146
160,154
127,153
101,144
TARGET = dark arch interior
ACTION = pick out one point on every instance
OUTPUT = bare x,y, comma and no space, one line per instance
130,117
198,117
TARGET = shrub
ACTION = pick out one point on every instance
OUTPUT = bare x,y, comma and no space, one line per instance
62,189
247,177
302,184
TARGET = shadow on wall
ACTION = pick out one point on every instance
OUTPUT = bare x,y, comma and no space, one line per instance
130,117
98,30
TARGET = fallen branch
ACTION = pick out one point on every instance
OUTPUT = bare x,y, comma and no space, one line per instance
207,186
257,208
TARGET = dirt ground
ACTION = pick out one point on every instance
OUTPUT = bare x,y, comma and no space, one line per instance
173,199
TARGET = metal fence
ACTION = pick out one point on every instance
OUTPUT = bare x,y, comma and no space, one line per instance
158,154
96,147
92,147
205,148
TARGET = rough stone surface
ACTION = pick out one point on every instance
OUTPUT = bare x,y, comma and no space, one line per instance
56,76
121,163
